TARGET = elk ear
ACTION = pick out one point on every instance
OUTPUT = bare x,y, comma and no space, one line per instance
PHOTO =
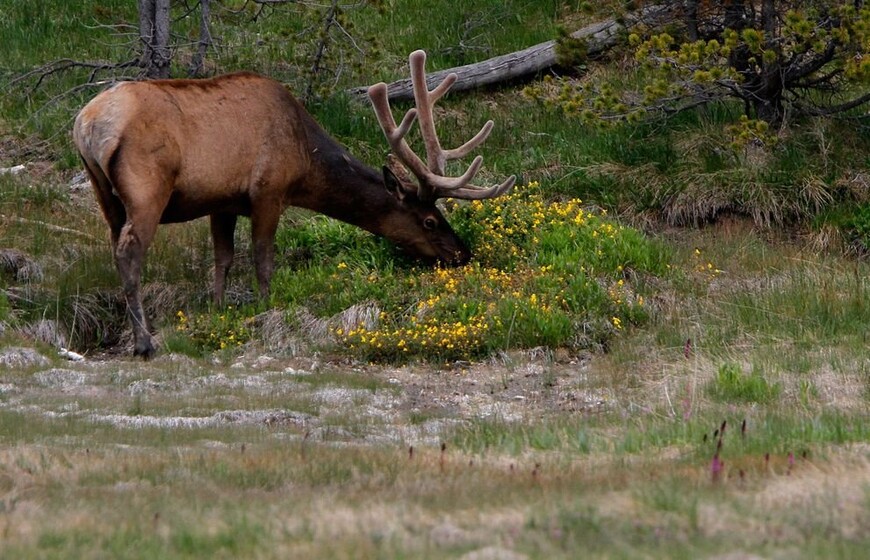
394,185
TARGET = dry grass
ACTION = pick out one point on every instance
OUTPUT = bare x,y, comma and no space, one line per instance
20,266
305,498
286,457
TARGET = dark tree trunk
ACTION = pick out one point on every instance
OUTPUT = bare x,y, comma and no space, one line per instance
196,64
767,97
736,18
154,35
692,20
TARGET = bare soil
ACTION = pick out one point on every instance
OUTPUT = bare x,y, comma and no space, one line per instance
412,404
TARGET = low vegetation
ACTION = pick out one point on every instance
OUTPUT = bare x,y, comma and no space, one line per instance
659,350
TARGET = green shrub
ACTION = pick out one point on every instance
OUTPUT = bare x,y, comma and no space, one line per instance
857,226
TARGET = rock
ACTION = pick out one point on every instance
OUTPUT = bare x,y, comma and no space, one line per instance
80,182
70,355
14,170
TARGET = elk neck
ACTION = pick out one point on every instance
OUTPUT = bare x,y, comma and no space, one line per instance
342,187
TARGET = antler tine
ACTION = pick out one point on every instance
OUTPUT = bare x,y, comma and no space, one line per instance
475,193
425,100
436,156
476,141
429,182
396,134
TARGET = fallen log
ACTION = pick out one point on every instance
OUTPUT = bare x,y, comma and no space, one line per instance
599,37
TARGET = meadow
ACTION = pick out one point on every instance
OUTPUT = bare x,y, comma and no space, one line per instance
659,350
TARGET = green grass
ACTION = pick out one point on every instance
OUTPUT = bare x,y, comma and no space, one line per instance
778,432
466,29
732,384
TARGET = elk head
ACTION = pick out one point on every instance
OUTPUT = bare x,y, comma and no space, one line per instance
417,225
439,242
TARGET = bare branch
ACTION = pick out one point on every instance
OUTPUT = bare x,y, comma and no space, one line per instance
48,226
834,109
56,66
328,21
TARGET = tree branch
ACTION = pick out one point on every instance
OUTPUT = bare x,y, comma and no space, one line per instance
48,226
798,71
64,64
834,109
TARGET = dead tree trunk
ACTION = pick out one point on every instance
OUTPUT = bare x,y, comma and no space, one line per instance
198,60
154,35
691,18
599,38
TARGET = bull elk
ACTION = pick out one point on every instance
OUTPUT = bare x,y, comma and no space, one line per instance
170,151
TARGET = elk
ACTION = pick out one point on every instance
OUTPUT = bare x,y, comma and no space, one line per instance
174,150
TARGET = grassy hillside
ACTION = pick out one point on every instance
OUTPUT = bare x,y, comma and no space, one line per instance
660,349
679,172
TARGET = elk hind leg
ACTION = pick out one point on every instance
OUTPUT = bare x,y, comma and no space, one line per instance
111,206
144,203
129,258
128,251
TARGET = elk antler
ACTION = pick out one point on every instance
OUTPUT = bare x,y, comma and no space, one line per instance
433,183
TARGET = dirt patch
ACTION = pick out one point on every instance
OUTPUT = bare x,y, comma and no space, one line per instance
414,404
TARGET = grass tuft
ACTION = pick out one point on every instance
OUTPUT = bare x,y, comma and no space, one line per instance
733,385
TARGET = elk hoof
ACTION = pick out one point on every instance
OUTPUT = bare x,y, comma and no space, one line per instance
145,349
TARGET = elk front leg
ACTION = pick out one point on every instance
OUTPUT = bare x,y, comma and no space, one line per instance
223,227
264,224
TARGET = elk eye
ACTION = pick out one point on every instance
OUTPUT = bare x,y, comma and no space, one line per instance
430,223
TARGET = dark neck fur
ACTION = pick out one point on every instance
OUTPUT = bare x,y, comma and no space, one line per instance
341,186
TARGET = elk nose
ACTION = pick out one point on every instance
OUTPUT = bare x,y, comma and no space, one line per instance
461,257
